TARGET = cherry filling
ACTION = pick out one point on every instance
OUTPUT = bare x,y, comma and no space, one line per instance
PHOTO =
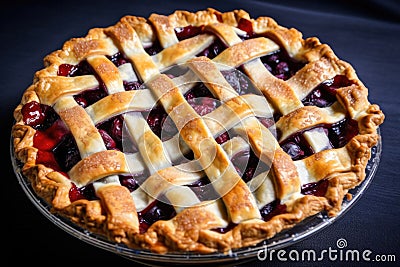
223,230
272,209
324,94
66,153
118,59
239,82
50,131
88,192
316,189
131,181
90,97
48,139
222,138
247,26
157,210
248,165
201,99
276,207
84,192
111,132
38,116
213,50
339,135
154,49
203,105
189,31
342,132
82,68
160,123
203,190
281,65
47,159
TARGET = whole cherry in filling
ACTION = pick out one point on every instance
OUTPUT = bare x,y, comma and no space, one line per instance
38,116
324,94
157,210
50,131
67,153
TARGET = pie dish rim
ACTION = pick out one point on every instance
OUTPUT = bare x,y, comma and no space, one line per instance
283,239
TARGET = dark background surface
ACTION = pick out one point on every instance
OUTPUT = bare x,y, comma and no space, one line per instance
364,33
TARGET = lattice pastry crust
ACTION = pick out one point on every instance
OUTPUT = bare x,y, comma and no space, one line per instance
114,211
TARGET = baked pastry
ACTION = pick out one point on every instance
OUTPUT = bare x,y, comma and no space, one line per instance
197,132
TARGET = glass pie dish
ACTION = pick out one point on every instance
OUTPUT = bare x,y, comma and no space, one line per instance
284,239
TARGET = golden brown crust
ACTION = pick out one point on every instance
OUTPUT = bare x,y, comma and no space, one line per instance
180,52
114,213
49,89
121,211
97,166
242,52
308,116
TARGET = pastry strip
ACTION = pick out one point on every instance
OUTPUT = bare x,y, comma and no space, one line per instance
50,89
164,29
107,72
219,169
128,41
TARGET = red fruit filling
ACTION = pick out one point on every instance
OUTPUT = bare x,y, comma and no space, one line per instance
222,138
247,26
154,49
90,97
203,189
240,82
84,192
213,50
131,181
111,132
324,94
38,116
156,211
248,165
118,59
275,207
339,135
48,139
188,32
66,153
316,189
272,209
281,65
47,159
68,70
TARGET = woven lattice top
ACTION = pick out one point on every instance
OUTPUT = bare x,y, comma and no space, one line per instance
194,131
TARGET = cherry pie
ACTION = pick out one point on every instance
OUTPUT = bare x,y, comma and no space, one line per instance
198,132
